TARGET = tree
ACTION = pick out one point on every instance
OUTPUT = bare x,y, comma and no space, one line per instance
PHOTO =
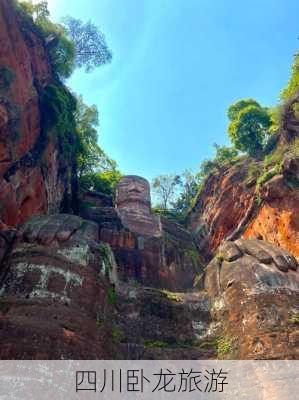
190,185
103,182
36,10
224,154
91,49
249,126
234,110
90,156
165,187
70,44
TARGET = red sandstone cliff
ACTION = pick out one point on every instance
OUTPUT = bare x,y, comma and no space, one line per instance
233,204
55,274
34,178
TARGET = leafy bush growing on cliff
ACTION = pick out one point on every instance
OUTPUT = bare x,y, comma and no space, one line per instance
272,163
58,107
101,181
75,124
293,84
7,76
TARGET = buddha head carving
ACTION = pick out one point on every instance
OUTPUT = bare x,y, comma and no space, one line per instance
133,204
133,194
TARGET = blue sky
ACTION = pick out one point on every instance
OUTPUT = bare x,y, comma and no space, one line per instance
177,66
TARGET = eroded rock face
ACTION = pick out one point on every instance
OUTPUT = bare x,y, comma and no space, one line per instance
158,324
277,220
148,249
254,287
53,289
289,121
225,203
34,176
228,209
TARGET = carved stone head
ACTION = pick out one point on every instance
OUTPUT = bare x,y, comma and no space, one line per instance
133,194
133,204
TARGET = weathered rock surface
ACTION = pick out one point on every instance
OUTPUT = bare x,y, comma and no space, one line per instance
277,220
159,324
147,248
34,176
225,203
65,294
53,289
254,287
289,121
228,209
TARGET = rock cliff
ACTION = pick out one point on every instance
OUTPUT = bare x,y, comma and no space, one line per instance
54,292
254,288
35,174
233,205
116,280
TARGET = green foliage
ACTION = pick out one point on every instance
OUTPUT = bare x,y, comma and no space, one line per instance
293,149
90,156
62,56
155,343
294,318
225,346
36,10
189,186
60,47
254,171
58,107
172,296
111,296
272,166
225,155
267,175
91,49
165,187
249,128
96,171
116,334
174,214
70,44
7,76
275,116
275,157
234,110
104,182
192,184
293,84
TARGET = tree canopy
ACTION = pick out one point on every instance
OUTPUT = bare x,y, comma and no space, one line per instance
90,155
71,44
165,187
249,126
91,49
101,181
235,108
